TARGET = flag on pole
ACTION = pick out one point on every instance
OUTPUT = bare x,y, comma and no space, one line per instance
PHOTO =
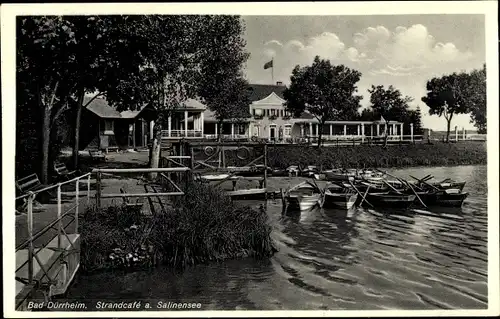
268,65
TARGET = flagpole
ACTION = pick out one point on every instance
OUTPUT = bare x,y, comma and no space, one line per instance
272,71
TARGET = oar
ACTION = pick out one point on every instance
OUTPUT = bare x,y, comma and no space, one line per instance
362,196
391,187
421,201
422,180
426,183
428,178
322,192
398,178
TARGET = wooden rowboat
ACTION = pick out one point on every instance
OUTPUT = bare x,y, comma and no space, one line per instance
337,197
448,197
392,200
303,196
212,177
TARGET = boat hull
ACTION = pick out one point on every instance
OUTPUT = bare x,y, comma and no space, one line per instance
391,200
443,199
340,200
303,202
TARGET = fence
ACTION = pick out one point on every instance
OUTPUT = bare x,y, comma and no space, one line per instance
30,281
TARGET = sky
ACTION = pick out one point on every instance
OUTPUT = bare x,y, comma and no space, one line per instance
400,50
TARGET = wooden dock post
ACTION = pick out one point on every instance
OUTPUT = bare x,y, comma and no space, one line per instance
265,170
98,190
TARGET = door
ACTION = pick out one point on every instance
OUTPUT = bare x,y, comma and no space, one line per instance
272,133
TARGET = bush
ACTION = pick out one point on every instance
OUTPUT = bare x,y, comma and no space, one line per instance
204,226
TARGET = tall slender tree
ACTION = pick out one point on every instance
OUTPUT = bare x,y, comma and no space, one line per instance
447,96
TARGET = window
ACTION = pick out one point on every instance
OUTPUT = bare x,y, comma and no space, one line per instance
241,129
108,126
273,112
287,131
256,131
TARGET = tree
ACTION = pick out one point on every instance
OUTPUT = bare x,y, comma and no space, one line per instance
62,58
324,90
415,118
169,73
107,51
449,95
478,99
222,86
390,104
368,115
43,44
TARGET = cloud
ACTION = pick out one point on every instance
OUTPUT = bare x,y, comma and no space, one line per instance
403,51
404,56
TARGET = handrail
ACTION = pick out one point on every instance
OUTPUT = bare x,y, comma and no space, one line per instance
61,228
53,186
44,230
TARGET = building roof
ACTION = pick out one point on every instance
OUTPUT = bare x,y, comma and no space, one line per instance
101,108
209,116
271,99
261,91
192,105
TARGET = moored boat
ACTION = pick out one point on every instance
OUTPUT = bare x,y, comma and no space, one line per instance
247,194
339,197
338,175
293,170
309,171
388,199
212,177
303,196
448,197
449,184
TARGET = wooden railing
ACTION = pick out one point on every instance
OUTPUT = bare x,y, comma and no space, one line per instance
100,171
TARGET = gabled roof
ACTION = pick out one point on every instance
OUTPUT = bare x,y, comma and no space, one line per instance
192,105
101,108
209,116
271,99
260,91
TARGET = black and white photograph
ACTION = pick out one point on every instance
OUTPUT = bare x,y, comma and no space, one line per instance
267,159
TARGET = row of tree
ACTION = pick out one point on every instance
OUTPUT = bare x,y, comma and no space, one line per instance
329,92
132,61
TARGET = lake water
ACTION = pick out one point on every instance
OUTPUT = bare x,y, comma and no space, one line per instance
366,260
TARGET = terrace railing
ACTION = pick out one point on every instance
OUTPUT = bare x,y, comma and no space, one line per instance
181,133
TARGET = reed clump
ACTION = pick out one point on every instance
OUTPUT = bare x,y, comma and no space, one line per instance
203,226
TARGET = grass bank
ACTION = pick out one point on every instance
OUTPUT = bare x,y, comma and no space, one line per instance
406,155
204,226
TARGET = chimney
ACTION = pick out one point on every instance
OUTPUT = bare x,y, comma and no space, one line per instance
279,83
